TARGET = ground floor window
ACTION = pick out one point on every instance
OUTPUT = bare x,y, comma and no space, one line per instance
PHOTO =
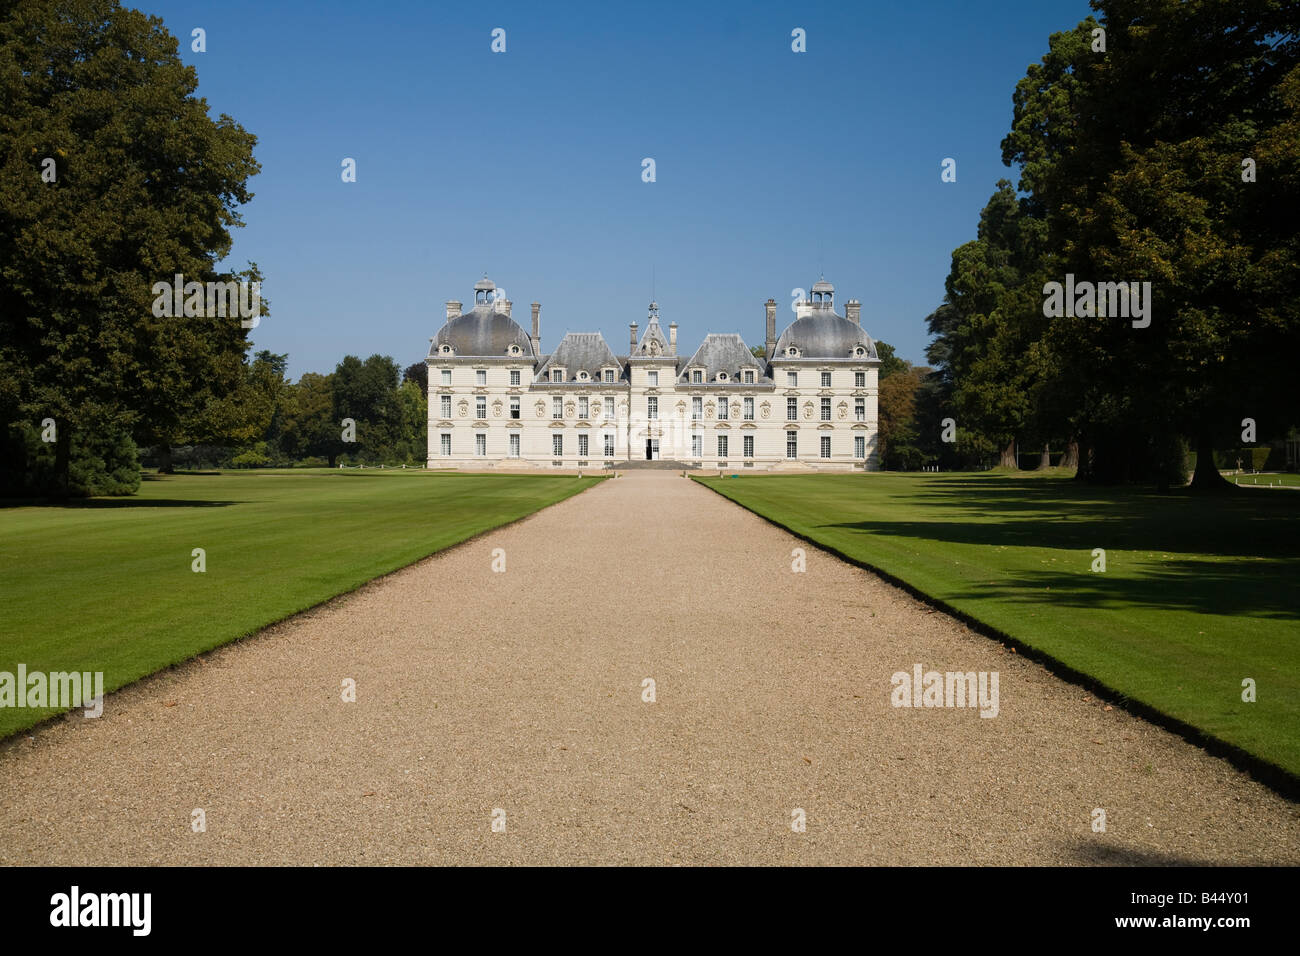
609,446
557,445
859,446
722,446
582,446
514,446
697,446
445,442
749,446
791,444
826,446
480,444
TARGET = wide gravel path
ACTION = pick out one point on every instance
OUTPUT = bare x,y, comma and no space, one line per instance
522,691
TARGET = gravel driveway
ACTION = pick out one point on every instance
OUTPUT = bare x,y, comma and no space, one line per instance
522,691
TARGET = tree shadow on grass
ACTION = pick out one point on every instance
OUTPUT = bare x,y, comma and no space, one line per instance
113,503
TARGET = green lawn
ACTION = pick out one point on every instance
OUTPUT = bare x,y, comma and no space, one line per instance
106,584
1197,594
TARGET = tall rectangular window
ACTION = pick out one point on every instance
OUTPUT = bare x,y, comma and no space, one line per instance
582,407
480,406
749,409
697,377
791,409
557,407
749,378
446,376
480,376
445,443
514,407
514,376
792,379
582,446
480,444
859,379
514,446
859,446
609,408
791,444
697,408
826,379
557,445
609,375
722,408
652,407
826,446
859,410
722,446
749,446
609,446
826,409
652,377
445,402
697,446
557,375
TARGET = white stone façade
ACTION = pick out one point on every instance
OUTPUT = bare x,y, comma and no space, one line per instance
497,401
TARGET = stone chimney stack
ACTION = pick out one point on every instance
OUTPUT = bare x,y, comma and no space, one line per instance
453,309
853,311
537,336
633,328
770,307
505,306
672,338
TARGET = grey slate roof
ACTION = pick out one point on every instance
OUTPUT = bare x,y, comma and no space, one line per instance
824,335
580,351
653,333
482,331
722,352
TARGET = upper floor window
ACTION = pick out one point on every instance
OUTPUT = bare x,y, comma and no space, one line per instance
697,408
514,407
480,376
557,407
609,408
749,378
652,377
557,375
859,379
652,407
480,406
791,409
697,377
859,410
722,408
446,405
446,376
582,407
609,375
826,409
514,376
749,409
792,379
826,379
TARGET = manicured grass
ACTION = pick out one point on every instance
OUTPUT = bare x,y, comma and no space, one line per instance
1276,479
1198,593
107,585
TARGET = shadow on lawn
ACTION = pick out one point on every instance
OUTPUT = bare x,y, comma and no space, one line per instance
112,503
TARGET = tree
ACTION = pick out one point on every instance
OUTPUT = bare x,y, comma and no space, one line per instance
366,393
146,185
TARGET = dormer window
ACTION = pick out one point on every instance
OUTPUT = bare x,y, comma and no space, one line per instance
557,375
582,376
697,377
445,350
749,378
514,350
860,351
722,376
792,352
609,375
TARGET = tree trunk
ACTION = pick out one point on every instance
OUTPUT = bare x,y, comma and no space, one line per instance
1046,461
62,458
1071,457
332,458
165,466
1206,479
1008,457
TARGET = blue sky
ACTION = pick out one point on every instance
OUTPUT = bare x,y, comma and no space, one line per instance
772,167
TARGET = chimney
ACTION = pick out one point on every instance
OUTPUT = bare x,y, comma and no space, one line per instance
853,311
453,309
537,337
633,327
770,306
505,306
672,338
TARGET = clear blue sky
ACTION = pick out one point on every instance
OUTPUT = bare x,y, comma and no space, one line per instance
772,167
